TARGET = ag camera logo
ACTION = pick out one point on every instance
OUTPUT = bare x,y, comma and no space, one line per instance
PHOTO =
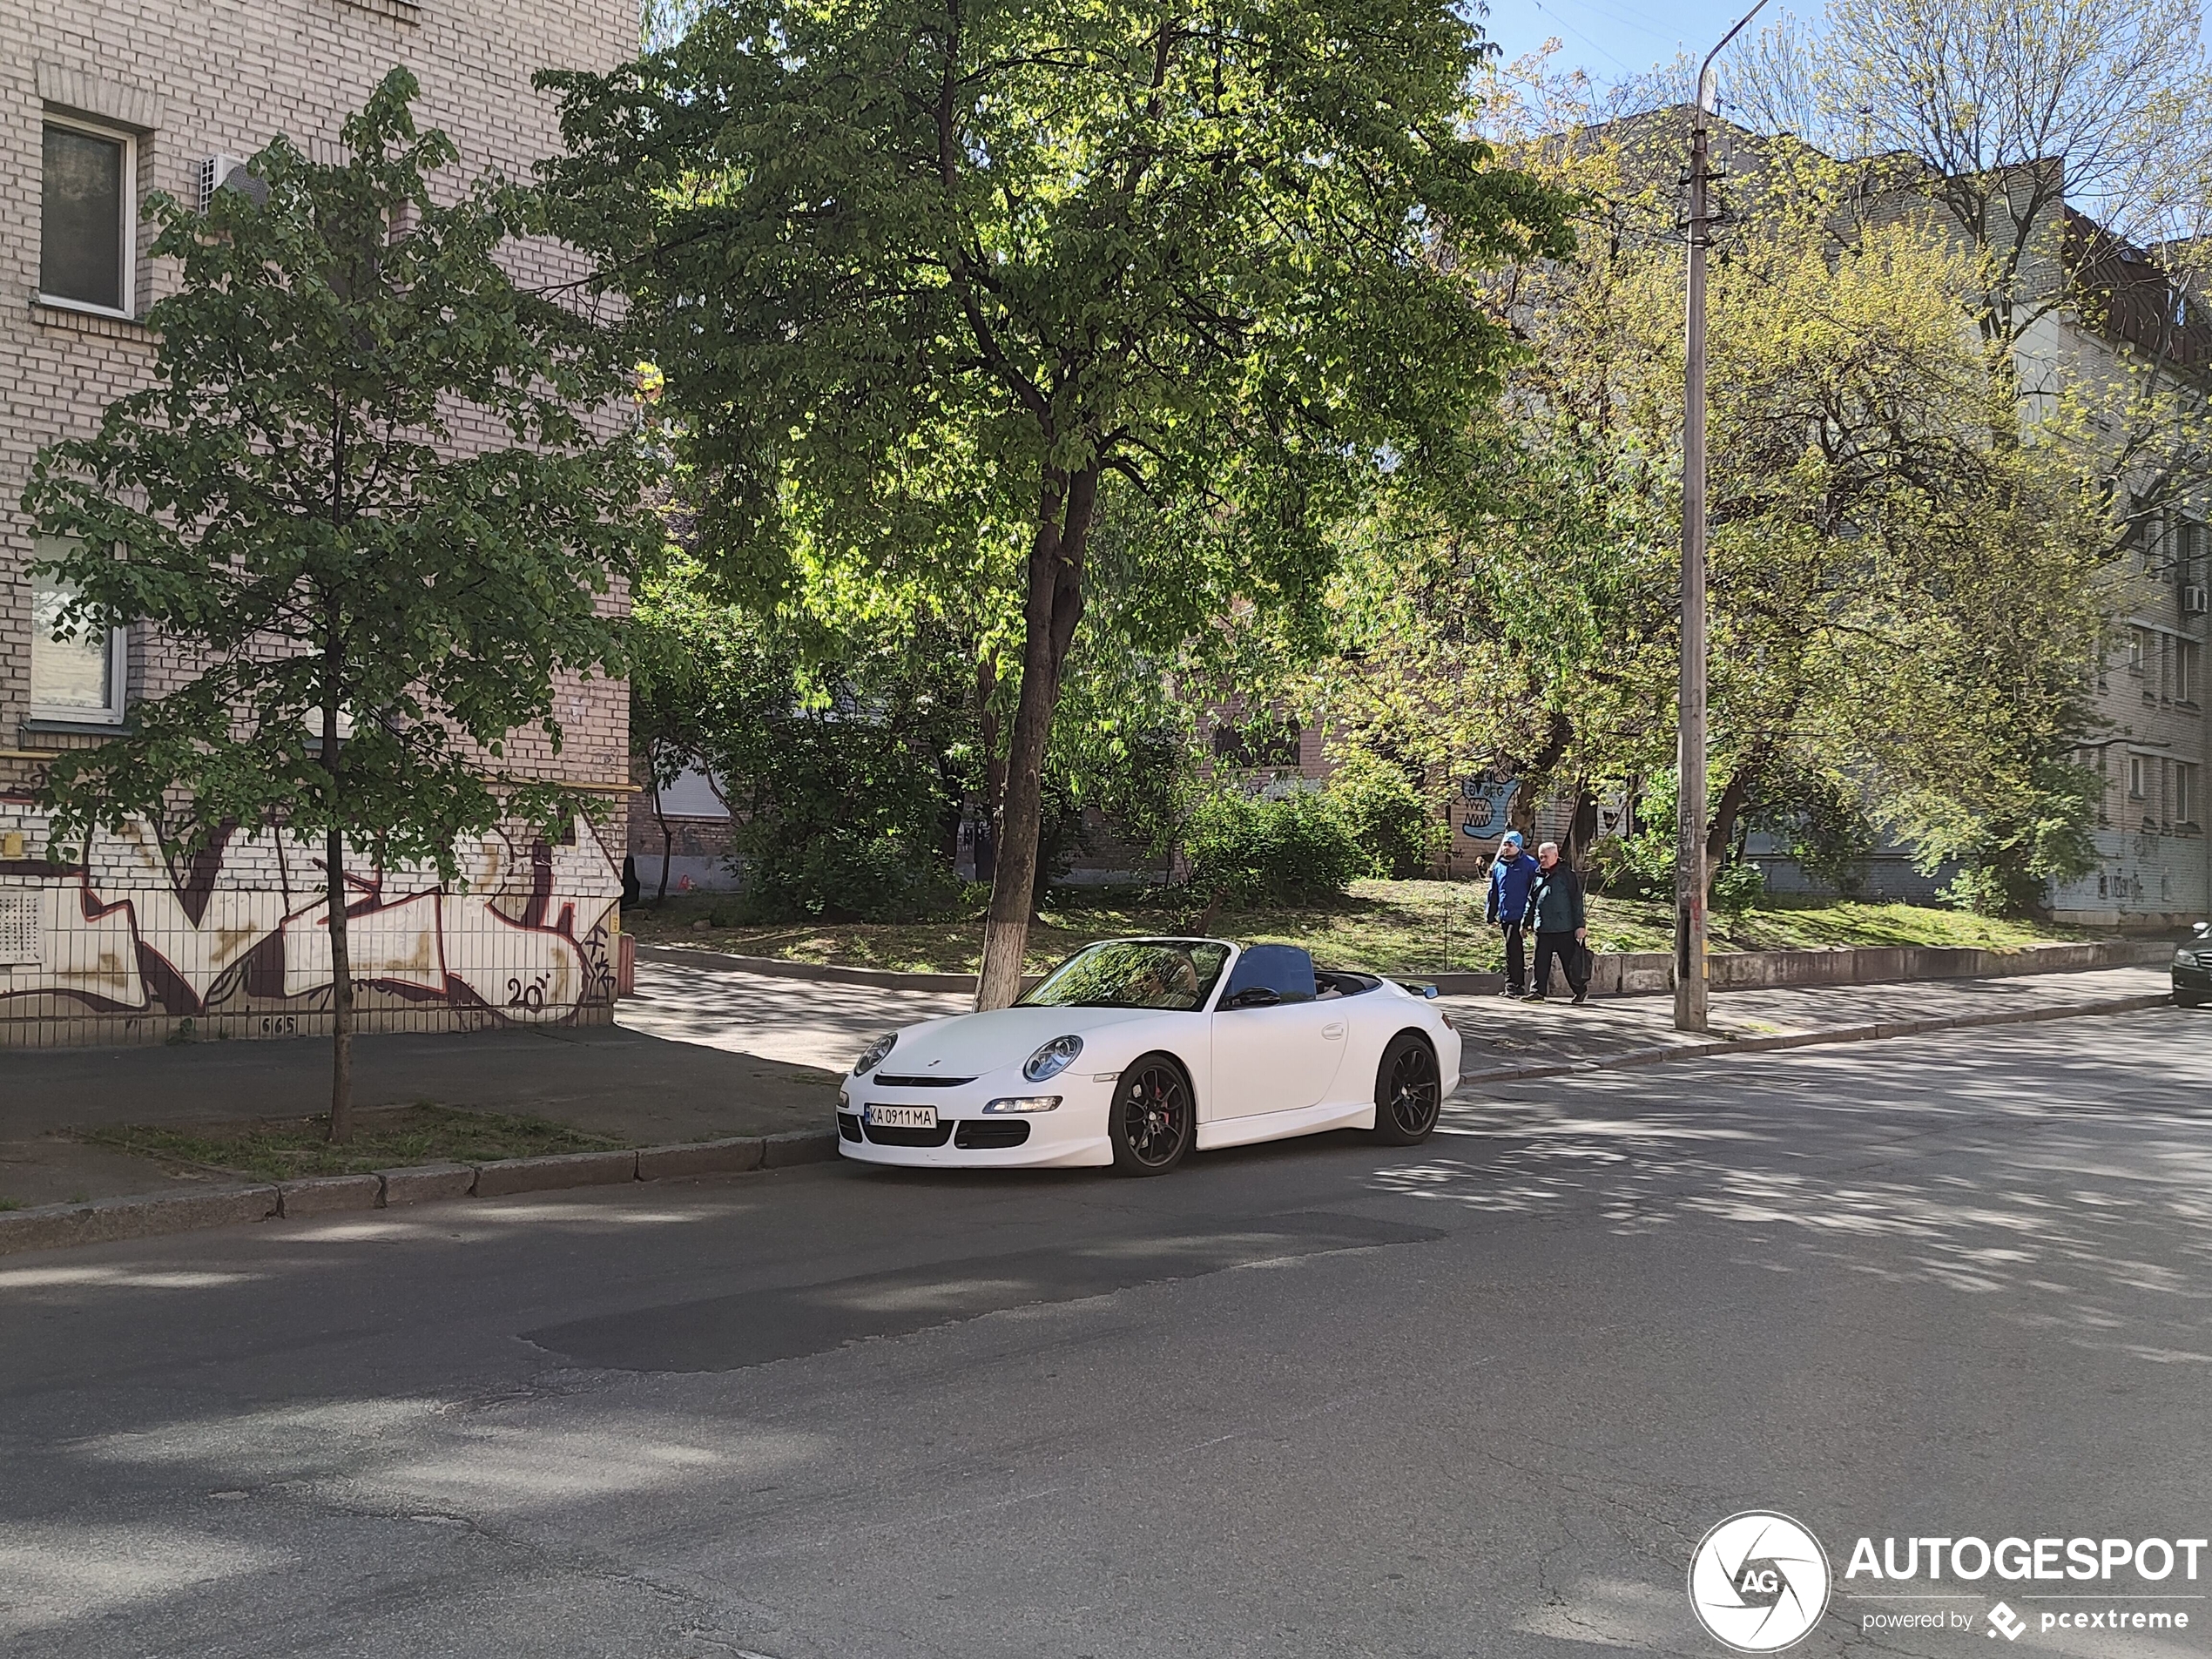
1758,1582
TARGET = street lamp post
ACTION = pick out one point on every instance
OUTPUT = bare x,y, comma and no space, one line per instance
1690,1010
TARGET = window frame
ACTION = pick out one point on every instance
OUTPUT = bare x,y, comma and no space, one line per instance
113,713
128,283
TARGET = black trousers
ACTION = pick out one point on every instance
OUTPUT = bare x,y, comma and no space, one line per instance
1516,954
1569,950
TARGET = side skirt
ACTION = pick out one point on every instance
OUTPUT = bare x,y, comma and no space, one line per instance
1276,1126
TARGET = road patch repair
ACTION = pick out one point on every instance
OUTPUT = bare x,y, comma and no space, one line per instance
754,1327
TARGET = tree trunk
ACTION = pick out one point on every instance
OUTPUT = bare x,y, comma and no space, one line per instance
987,728
1050,611
1535,775
1734,794
1581,834
341,985
667,837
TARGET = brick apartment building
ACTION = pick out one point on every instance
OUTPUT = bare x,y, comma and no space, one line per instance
101,102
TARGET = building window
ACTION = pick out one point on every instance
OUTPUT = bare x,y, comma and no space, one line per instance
2134,778
86,196
2185,801
2138,649
2188,671
78,677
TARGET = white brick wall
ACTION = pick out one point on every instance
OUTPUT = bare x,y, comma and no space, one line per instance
195,78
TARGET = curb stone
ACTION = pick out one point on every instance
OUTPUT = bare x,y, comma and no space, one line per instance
425,1182
323,1195
551,1174
799,1146
732,1156
58,1226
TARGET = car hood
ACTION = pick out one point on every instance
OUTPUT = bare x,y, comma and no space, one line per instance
968,1045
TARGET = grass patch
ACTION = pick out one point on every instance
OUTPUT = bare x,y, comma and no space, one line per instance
13,1203
284,1149
1386,927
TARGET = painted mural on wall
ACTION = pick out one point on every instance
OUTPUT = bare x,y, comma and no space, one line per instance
241,929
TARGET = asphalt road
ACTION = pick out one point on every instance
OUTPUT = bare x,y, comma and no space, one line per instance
1317,1398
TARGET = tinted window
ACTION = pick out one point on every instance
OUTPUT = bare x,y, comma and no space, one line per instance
1168,974
80,249
1284,969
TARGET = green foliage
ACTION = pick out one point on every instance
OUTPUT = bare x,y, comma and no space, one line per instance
287,504
840,756
951,298
1397,833
1738,886
1245,850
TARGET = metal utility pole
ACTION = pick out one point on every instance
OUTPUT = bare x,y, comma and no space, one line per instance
1690,1010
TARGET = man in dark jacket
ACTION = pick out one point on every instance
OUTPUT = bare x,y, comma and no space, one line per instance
1512,873
1558,918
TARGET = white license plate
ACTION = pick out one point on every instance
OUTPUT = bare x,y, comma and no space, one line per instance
903,1116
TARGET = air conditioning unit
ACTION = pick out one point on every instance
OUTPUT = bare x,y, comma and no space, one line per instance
228,172
2195,599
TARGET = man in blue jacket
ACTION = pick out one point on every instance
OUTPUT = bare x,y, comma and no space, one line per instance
1512,873
1556,911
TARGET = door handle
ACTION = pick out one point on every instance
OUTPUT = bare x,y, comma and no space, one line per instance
1333,1030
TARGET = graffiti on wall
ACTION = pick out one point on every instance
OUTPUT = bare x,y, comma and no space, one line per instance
242,925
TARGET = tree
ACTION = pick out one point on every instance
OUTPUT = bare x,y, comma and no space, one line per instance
1907,579
938,283
374,603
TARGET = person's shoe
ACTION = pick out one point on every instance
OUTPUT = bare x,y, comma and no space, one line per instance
1513,991
1579,998
1535,997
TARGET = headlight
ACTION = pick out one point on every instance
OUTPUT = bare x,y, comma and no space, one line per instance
2185,959
844,1101
1053,1059
868,1062
1024,1103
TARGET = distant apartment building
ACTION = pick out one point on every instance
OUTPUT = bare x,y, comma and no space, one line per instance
133,939
2155,723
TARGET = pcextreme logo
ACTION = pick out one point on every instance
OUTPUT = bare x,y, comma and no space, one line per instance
1758,1582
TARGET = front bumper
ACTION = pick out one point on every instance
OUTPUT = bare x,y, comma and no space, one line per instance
1072,1135
2196,981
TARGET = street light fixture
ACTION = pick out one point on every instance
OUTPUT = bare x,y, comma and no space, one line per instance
1690,1009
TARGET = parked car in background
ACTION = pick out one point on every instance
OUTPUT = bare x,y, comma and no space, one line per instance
2193,968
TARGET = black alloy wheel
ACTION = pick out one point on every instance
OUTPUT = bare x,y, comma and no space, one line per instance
1151,1120
1409,1092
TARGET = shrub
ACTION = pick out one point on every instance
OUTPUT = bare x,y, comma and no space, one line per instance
1295,849
1393,828
843,876
1737,887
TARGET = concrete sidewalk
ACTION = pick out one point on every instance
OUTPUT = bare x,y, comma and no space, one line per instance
705,1053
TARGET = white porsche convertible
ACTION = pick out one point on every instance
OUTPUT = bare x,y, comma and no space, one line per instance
1133,1051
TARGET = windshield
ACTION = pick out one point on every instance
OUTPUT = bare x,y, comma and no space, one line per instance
1171,974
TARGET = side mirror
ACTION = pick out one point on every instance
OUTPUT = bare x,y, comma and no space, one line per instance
1420,989
2203,930
1253,996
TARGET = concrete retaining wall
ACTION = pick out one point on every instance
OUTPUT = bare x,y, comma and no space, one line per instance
1652,973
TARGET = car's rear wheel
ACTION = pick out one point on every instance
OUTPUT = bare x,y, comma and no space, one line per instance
1409,1092
1152,1118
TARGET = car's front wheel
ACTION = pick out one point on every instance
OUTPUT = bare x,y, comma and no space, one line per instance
1409,1091
1153,1117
